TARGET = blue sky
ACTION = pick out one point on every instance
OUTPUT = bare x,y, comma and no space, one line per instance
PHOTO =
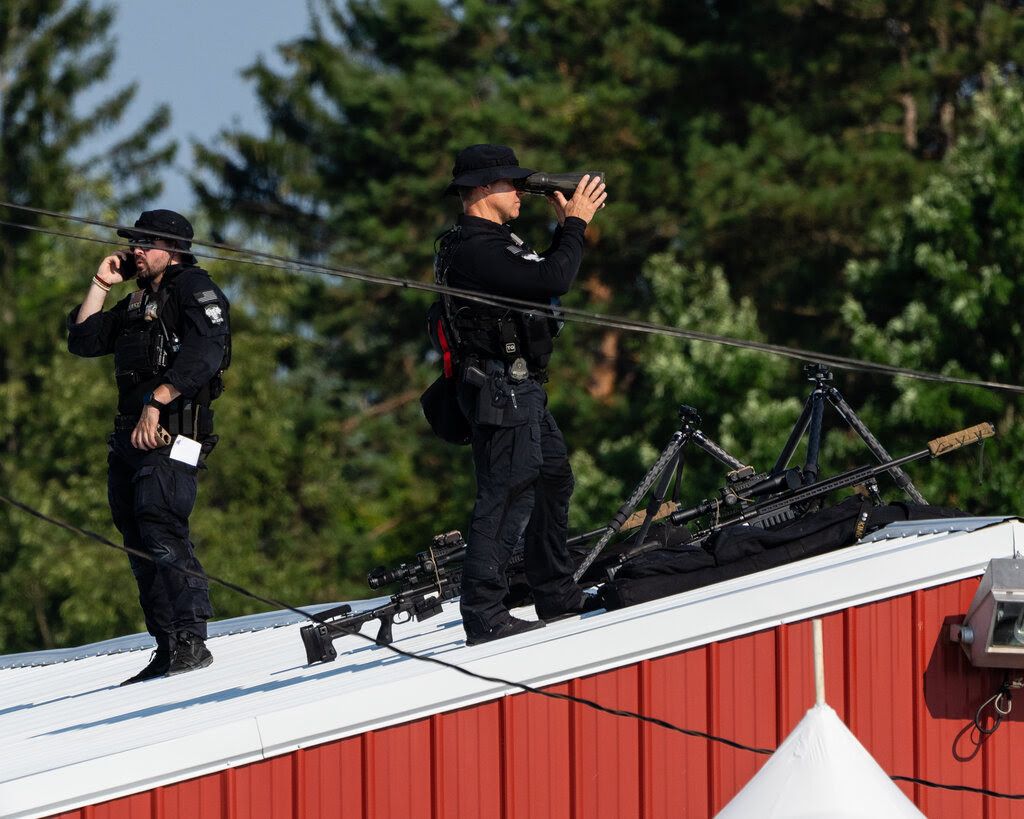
189,54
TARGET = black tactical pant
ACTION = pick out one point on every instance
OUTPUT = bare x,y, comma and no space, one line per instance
151,498
524,483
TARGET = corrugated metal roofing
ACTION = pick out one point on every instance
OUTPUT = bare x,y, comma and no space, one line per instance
73,737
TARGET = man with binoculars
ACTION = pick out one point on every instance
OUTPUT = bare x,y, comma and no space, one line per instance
499,356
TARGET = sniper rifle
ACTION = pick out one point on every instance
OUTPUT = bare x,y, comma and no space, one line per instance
435,577
789,503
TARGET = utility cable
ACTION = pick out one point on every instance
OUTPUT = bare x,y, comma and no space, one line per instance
529,689
136,553
983,791
281,262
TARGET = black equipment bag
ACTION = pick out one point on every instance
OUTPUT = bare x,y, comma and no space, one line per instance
441,408
735,551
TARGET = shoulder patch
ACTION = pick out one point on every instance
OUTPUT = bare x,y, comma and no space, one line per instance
214,314
205,296
523,252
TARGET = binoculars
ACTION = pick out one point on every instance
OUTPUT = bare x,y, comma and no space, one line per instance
545,184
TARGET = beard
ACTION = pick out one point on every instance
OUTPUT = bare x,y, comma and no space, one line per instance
149,271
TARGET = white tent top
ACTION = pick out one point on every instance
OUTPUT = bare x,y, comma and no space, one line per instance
821,770
73,737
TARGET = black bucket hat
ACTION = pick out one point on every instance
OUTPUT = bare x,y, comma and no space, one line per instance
159,222
483,164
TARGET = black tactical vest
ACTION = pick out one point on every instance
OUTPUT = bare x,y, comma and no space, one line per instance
461,328
145,347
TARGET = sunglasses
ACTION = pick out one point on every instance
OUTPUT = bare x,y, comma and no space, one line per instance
142,243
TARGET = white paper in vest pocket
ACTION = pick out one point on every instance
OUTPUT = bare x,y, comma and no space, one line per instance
186,450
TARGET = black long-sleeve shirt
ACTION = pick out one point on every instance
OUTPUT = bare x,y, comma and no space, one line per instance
196,311
490,260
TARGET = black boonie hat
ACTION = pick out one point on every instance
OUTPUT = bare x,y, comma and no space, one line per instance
483,164
161,222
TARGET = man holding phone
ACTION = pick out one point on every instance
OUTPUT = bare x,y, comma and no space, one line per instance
171,341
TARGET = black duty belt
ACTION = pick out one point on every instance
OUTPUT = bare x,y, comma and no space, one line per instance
512,373
192,420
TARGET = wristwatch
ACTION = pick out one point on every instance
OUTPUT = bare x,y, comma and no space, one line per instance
149,400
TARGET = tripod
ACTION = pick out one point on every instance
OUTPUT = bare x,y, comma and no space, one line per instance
669,462
811,417
744,479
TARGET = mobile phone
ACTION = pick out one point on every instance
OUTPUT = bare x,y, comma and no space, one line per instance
127,267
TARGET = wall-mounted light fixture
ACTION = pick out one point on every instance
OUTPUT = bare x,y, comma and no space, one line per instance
992,633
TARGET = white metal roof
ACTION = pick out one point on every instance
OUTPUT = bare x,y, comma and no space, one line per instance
72,736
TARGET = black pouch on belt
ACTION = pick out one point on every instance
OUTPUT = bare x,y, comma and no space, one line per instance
207,447
497,405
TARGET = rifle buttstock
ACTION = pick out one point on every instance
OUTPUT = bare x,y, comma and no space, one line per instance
955,440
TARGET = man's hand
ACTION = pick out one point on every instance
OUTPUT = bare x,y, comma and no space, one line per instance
110,268
145,436
588,199
107,274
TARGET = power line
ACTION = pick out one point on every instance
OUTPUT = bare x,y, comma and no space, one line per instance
282,262
983,791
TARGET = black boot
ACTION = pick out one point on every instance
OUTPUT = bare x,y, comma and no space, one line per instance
159,662
189,654
506,628
586,604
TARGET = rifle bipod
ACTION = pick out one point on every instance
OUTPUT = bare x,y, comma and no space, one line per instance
810,421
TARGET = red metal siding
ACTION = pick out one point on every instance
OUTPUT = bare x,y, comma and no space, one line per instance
397,766
891,674
540,755
676,768
329,779
607,758
742,702
467,763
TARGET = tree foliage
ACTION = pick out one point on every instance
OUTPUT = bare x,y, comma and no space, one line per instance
944,294
840,109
